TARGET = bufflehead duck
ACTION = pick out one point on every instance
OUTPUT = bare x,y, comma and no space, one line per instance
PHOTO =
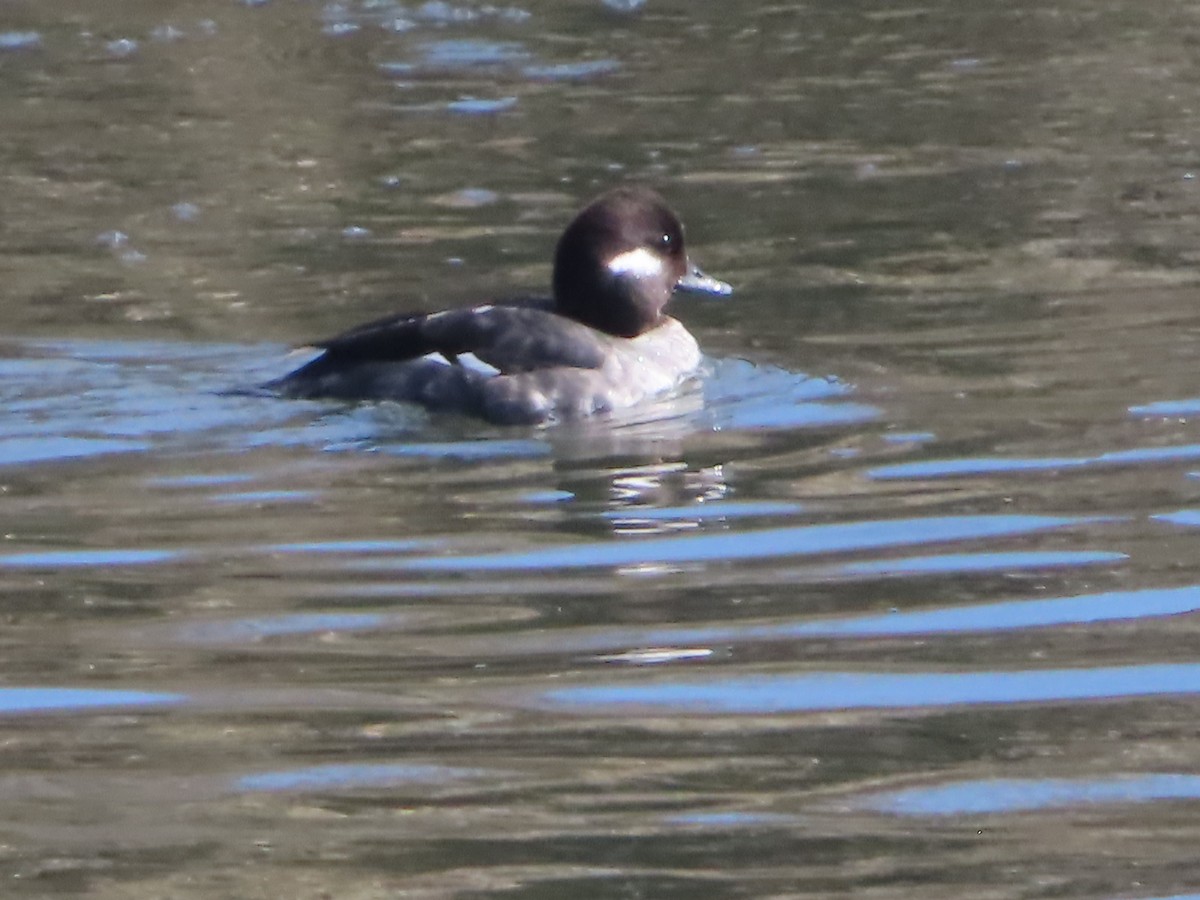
601,343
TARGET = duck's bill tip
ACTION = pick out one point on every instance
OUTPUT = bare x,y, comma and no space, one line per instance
696,282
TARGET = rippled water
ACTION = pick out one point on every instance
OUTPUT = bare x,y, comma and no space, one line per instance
899,598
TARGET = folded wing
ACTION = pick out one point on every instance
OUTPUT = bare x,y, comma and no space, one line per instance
509,338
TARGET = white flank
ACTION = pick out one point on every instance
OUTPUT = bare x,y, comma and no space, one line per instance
641,263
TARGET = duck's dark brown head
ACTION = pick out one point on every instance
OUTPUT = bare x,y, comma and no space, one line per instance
620,260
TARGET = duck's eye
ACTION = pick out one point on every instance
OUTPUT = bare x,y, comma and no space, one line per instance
666,240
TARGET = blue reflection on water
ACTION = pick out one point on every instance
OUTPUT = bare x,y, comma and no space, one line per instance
19,40
279,496
1003,795
22,450
757,544
572,71
817,691
49,699
481,106
200,480
992,617
1114,606
71,399
468,53
351,775
1168,408
949,563
84,558
742,395
1189,518
951,468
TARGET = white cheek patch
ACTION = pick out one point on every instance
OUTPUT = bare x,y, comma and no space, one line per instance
436,358
641,263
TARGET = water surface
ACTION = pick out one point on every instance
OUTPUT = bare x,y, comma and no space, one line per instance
900,597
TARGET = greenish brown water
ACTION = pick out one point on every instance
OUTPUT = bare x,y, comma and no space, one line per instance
901,600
